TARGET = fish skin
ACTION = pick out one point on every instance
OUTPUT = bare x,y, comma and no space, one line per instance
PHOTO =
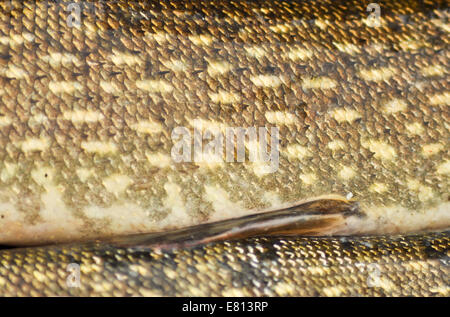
77,103
264,266
86,113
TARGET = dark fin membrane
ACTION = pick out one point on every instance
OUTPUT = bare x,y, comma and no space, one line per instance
313,218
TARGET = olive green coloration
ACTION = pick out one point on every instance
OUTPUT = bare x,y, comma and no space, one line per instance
91,95
304,266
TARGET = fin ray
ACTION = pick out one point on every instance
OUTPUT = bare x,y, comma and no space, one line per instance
311,218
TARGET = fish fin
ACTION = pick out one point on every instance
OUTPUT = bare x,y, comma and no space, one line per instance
314,218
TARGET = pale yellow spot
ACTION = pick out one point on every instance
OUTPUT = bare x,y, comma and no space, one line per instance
99,147
155,86
5,121
224,97
281,28
175,66
56,59
441,99
171,274
378,188
373,21
17,39
425,193
120,58
39,118
309,178
319,83
415,128
444,168
272,198
395,219
376,280
256,51
148,127
299,54
29,37
109,87
8,171
136,219
347,48
434,70
336,145
284,289
409,45
141,270
318,270
178,215
54,211
440,23
84,173
41,278
117,184
322,24
443,290
58,87
202,39
160,37
4,40
220,200
420,85
3,282
297,151
80,116
347,173
381,149
333,291
345,115
266,81
432,149
261,168
395,105
15,72
376,48
159,159
92,28
219,68
173,200
35,144
280,117
377,74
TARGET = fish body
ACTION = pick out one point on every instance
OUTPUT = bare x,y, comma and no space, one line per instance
102,114
265,266
115,117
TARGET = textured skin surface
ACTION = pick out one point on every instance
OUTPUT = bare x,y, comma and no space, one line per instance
86,113
377,266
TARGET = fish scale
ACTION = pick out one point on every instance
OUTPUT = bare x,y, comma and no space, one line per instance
346,266
88,112
89,105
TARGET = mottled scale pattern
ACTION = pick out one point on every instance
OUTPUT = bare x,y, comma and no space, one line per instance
346,266
87,112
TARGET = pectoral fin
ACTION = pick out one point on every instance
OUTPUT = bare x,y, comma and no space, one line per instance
314,218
